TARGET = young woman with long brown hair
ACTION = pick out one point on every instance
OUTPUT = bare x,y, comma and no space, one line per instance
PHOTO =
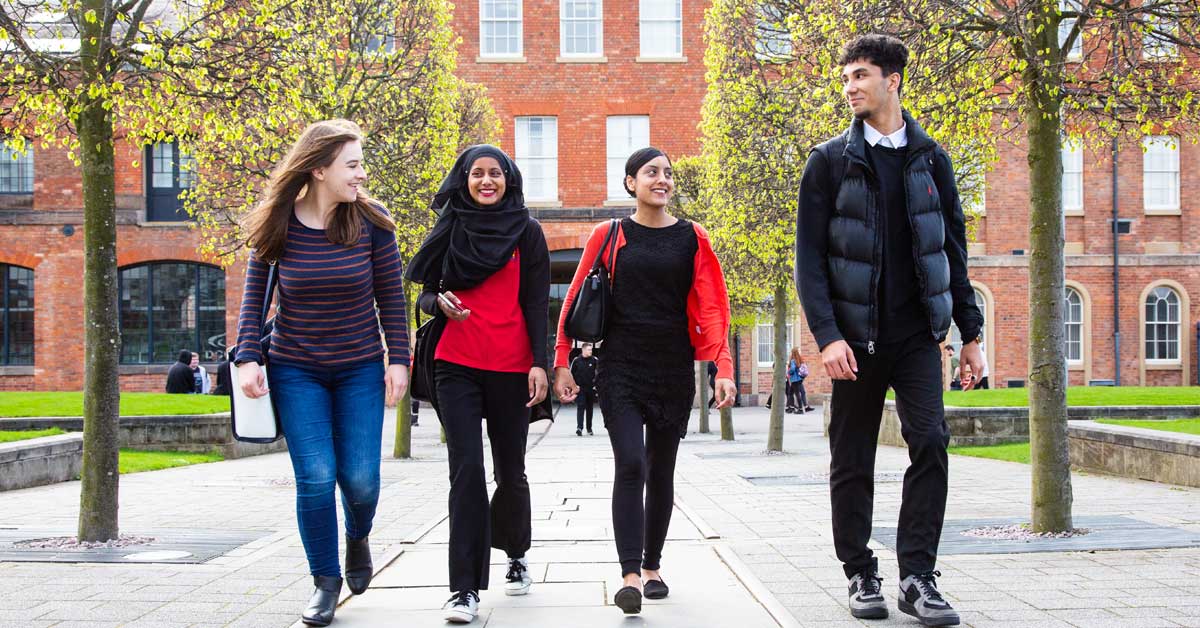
337,260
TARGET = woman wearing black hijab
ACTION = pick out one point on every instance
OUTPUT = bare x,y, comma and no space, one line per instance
485,266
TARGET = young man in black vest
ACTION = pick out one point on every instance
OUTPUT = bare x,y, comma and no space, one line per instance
881,267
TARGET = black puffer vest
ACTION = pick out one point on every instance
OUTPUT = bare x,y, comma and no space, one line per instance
856,243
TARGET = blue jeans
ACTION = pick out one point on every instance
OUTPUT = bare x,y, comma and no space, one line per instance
333,421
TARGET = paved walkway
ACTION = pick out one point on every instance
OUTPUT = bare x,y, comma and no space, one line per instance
743,552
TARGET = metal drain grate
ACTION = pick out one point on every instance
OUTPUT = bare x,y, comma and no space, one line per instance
1104,533
177,546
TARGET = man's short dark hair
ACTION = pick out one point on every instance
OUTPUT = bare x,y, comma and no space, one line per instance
885,51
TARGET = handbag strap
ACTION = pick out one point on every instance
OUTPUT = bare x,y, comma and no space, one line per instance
272,279
609,247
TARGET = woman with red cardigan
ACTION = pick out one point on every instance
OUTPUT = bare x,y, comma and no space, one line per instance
670,308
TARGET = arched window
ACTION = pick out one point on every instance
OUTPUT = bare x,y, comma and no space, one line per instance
1073,323
171,306
955,336
1162,325
16,309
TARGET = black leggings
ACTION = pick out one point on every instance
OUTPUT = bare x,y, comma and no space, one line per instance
466,396
641,530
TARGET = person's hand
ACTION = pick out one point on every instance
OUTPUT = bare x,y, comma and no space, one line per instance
539,385
839,361
395,380
970,362
252,380
564,384
458,313
725,391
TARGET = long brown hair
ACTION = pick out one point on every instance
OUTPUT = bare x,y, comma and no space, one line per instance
795,356
316,148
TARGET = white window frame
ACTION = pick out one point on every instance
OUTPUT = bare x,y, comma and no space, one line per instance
642,21
1167,146
20,167
563,20
525,155
615,156
1068,322
1177,322
766,331
768,43
1072,163
1155,49
520,20
1064,30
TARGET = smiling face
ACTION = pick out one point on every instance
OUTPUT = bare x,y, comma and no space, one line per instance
867,90
655,182
195,361
345,175
486,182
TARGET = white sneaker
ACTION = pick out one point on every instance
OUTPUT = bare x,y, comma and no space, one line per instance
461,608
518,580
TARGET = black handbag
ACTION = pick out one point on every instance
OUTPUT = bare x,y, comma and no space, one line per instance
587,320
257,420
421,383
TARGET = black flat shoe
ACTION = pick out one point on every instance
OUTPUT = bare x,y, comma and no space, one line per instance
656,589
323,601
358,565
629,599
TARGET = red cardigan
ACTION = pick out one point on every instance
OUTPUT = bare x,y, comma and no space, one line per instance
707,304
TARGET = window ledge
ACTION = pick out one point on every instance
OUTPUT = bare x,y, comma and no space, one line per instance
1164,212
1163,366
1072,212
537,204
483,59
144,369
1075,366
589,59
620,202
8,371
661,60
167,224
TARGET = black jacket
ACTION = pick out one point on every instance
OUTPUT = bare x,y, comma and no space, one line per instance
839,249
584,371
181,379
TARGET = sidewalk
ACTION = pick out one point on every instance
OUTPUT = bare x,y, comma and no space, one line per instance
749,545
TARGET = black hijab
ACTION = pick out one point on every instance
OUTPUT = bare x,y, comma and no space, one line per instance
470,242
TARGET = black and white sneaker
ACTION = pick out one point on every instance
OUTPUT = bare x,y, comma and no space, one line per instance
866,598
518,580
920,598
462,607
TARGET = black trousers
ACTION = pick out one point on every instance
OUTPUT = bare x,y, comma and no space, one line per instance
583,408
466,397
913,368
641,464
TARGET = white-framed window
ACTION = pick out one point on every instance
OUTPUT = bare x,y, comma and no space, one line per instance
1064,30
581,28
1160,173
972,188
661,28
772,38
765,347
954,338
1162,326
16,170
537,156
1155,44
1073,326
1072,177
500,28
625,135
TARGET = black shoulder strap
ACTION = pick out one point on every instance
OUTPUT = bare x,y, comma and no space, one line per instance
609,246
272,280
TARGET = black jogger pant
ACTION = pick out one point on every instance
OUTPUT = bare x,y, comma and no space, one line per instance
467,395
913,368
583,409
641,528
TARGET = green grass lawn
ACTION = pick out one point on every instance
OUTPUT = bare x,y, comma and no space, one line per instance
23,404
8,437
134,461
1078,396
1185,426
1013,452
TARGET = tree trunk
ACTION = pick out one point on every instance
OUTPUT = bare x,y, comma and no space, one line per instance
98,497
702,388
779,371
1051,467
402,446
726,423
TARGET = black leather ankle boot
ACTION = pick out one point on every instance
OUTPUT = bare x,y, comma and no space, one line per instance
323,601
358,565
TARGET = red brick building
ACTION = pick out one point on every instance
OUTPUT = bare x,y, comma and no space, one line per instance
578,85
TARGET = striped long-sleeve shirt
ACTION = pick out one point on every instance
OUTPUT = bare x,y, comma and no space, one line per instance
326,305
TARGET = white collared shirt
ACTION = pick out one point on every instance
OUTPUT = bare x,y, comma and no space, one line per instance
899,139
